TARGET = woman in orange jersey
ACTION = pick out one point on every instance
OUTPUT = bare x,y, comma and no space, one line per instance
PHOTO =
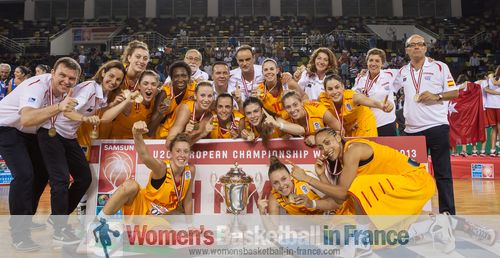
225,121
180,89
190,117
274,86
260,123
135,57
169,186
311,115
291,194
141,110
373,179
351,108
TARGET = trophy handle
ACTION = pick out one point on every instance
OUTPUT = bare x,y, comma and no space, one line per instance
213,182
258,181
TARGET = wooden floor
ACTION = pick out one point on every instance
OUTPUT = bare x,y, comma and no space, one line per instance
472,197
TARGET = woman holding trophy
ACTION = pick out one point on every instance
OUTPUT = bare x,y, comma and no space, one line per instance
169,188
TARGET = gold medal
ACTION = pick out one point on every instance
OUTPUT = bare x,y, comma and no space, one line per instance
139,99
416,97
167,102
196,126
52,132
291,198
94,134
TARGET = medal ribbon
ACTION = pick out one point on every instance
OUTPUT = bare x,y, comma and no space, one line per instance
415,83
245,84
369,83
52,118
178,193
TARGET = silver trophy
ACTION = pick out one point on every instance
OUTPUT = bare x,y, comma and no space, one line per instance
236,183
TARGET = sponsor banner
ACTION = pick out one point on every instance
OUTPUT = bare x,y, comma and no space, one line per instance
118,161
92,35
5,175
486,171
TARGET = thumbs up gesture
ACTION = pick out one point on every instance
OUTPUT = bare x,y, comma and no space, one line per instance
68,104
237,93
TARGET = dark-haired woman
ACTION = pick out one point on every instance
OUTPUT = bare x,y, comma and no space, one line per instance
371,179
351,108
21,73
291,195
259,123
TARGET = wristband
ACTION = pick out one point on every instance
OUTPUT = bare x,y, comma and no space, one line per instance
314,204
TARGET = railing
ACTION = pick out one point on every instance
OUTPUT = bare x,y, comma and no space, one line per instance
32,41
155,39
478,38
430,32
11,44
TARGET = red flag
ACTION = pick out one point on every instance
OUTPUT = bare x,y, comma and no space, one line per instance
466,116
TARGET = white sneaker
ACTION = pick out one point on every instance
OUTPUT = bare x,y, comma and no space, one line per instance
482,234
355,251
441,232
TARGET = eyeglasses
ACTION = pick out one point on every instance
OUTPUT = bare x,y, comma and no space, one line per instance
419,44
196,59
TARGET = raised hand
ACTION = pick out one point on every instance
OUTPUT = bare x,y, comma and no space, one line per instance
210,125
269,120
310,141
319,166
190,126
237,93
303,199
139,128
298,72
68,104
297,172
262,203
286,77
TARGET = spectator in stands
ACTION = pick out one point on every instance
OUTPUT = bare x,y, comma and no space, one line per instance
4,73
351,108
426,111
321,62
4,76
21,73
259,123
493,108
246,77
41,69
377,84
474,63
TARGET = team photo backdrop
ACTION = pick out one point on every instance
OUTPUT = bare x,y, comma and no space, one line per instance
114,161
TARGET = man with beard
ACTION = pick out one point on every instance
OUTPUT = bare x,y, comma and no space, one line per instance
194,59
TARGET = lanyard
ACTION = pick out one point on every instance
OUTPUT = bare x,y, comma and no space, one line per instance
369,83
178,193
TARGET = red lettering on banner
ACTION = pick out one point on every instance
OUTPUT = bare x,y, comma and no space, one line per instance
197,196
217,198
